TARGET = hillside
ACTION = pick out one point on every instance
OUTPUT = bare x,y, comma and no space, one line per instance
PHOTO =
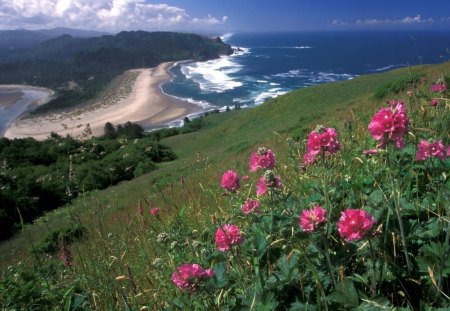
91,63
128,255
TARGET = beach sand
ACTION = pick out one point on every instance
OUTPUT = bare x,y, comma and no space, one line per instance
146,105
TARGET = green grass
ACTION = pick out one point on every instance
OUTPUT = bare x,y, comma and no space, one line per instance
188,185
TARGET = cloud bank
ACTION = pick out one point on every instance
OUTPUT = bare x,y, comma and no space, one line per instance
415,20
105,15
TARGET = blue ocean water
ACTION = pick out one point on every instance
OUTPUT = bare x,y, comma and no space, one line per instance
267,65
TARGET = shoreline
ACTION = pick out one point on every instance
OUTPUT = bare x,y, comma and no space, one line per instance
146,105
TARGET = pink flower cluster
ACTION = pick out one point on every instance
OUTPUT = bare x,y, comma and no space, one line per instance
311,219
227,236
154,211
250,206
438,88
266,182
264,159
230,181
354,224
189,275
390,124
320,141
434,102
436,149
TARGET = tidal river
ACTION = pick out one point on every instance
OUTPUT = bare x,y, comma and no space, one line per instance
16,100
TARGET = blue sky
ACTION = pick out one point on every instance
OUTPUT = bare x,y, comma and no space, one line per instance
225,15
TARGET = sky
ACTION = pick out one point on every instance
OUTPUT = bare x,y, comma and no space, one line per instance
225,15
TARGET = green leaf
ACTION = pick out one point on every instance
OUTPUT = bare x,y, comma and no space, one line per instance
376,197
345,294
67,298
299,306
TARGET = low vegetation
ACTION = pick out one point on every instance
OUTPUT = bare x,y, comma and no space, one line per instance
265,210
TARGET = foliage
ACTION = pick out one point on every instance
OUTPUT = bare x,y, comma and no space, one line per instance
38,176
392,88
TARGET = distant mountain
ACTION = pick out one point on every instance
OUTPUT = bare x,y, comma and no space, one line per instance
22,38
93,62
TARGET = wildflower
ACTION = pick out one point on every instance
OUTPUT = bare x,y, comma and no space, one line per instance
266,182
438,88
188,276
370,152
321,140
354,224
308,158
250,206
162,237
434,102
390,124
154,211
66,255
310,219
227,236
263,158
230,181
427,150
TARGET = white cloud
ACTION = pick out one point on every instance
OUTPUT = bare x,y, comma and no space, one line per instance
107,15
338,22
404,21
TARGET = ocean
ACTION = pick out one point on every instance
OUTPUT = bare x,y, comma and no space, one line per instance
267,65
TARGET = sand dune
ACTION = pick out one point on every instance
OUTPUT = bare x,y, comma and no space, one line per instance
146,105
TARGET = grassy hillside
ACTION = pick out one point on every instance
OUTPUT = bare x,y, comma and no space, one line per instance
125,260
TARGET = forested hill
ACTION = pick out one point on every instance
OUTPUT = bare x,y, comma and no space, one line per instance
93,62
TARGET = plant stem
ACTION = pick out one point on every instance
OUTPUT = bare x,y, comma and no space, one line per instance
327,256
374,269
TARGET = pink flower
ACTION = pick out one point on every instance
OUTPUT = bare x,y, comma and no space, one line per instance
154,211
438,88
310,219
264,159
309,158
370,152
323,139
434,102
230,181
250,206
189,275
390,124
227,236
354,224
140,211
266,182
427,150
320,141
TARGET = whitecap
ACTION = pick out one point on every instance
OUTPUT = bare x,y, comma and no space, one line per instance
213,76
272,93
388,67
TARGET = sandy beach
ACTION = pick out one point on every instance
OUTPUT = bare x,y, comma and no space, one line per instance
146,105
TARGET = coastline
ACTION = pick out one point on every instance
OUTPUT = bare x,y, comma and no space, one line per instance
146,105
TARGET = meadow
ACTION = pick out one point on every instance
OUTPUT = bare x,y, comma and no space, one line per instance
333,197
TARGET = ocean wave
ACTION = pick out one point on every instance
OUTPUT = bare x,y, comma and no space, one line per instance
202,103
323,77
295,73
388,67
213,76
271,93
226,37
298,47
